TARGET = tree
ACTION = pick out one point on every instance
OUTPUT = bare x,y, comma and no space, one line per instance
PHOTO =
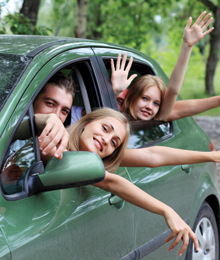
30,10
214,46
81,19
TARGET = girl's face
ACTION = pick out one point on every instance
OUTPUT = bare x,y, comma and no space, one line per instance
102,136
147,106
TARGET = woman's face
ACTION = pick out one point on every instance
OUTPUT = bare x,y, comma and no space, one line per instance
102,136
147,106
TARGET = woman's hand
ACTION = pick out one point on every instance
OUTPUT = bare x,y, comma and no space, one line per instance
54,137
192,35
181,230
119,76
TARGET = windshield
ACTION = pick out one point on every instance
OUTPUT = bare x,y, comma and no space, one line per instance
11,68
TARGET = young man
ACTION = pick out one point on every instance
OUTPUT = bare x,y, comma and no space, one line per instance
52,105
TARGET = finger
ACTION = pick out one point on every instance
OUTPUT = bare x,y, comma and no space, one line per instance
123,61
44,133
112,65
129,64
185,239
170,237
207,24
189,22
176,241
50,137
118,61
200,17
207,32
62,147
195,240
132,77
203,21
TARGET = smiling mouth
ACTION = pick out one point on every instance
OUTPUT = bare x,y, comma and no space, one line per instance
145,113
98,144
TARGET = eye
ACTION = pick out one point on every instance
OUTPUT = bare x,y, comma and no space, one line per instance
157,104
66,112
114,143
104,128
145,98
49,104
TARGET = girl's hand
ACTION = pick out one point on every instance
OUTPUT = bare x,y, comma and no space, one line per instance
119,76
192,35
181,230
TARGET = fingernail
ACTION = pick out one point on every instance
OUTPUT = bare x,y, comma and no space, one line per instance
41,148
56,155
40,141
44,153
180,254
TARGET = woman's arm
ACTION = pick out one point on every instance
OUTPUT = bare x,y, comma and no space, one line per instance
190,37
132,194
157,156
191,107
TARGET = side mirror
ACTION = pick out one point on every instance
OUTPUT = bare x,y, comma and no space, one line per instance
74,169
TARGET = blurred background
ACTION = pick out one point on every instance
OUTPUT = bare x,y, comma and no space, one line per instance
153,27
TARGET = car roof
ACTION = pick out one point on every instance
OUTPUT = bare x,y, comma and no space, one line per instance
30,45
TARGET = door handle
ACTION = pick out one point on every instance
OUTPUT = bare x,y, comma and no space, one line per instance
113,199
187,168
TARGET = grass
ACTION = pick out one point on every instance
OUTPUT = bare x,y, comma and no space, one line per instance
194,88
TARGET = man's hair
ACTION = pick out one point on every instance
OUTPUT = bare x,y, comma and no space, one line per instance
62,81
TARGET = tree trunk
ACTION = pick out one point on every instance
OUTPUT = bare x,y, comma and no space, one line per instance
81,19
213,54
30,10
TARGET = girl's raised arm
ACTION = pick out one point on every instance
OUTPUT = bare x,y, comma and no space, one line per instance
190,37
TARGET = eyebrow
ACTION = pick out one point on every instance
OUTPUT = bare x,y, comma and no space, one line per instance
51,99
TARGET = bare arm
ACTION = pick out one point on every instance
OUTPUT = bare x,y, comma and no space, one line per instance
157,156
191,107
190,37
131,193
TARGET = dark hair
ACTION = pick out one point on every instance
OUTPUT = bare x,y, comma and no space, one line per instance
61,81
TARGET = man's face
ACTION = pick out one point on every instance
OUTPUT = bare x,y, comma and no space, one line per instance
54,100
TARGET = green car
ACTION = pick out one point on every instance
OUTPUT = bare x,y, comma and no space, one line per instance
54,212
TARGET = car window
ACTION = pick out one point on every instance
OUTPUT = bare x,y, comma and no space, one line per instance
147,133
18,159
11,67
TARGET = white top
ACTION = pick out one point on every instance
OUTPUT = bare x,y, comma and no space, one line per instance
76,114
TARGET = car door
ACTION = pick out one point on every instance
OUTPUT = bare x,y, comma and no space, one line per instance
75,223
174,185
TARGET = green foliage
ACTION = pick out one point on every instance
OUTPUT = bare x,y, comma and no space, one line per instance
19,24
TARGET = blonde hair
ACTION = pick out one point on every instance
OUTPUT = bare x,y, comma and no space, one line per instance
112,161
136,91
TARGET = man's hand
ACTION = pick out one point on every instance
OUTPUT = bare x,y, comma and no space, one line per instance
54,138
192,35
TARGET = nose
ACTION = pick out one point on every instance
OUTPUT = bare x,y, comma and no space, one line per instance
58,113
149,105
106,139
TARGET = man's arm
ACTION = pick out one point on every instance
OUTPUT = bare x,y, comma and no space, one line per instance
190,37
191,107
53,137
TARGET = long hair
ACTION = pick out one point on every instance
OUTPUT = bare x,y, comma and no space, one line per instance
136,91
112,161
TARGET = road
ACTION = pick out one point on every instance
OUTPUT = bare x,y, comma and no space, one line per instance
211,125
